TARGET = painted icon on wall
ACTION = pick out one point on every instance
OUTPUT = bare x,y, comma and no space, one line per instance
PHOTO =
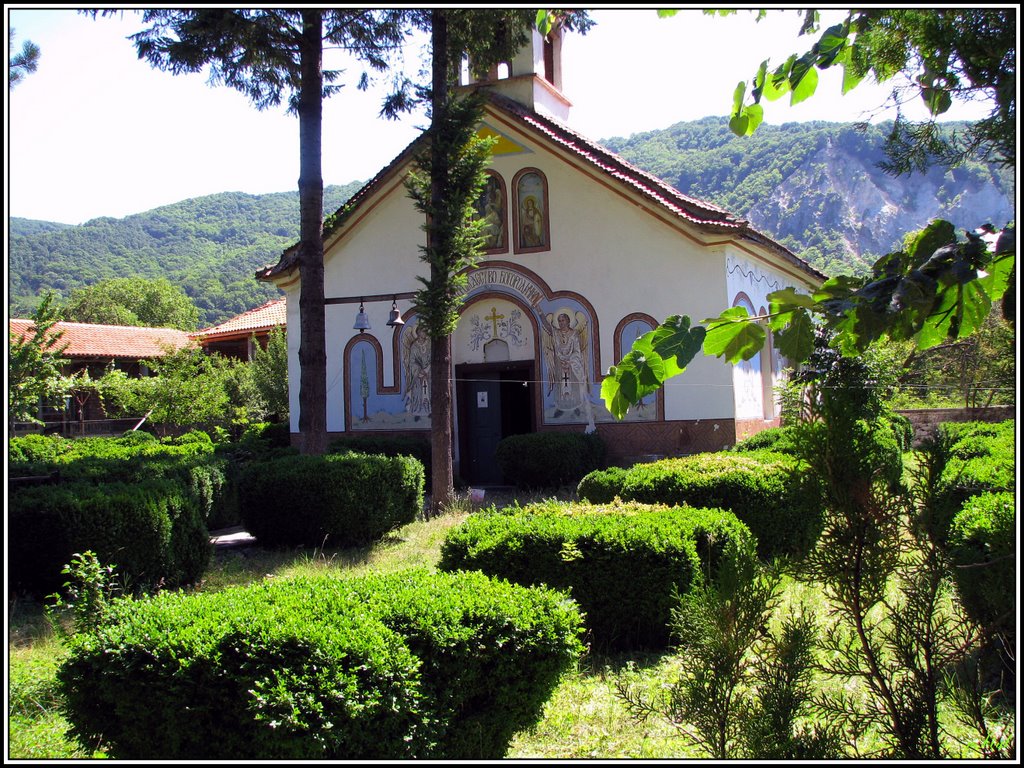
566,343
492,210
532,211
416,364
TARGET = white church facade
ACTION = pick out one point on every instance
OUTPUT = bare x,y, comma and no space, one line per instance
586,253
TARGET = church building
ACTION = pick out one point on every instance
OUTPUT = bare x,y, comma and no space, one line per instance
585,253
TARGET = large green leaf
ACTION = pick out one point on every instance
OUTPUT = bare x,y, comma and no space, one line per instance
938,100
831,45
733,335
937,234
655,357
804,81
996,279
737,98
796,339
745,123
677,343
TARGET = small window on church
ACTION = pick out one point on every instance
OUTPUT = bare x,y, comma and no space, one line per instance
492,209
549,60
531,212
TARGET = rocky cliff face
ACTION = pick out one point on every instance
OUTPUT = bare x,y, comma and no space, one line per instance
816,187
845,193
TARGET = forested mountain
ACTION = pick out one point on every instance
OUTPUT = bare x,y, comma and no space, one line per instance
815,187
211,246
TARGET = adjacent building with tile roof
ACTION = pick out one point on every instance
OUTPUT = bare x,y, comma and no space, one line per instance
94,347
236,337
585,253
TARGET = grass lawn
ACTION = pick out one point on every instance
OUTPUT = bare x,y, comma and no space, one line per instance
584,719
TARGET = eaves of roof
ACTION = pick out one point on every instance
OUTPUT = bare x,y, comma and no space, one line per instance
262,318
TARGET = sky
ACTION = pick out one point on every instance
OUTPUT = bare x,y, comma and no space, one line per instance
97,132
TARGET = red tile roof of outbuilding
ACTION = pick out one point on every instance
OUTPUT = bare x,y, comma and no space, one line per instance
262,318
88,340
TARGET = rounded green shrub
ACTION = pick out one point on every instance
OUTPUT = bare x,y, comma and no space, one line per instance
982,546
624,563
338,500
137,437
764,489
971,458
602,485
387,445
407,665
35,449
777,439
190,459
152,531
549,459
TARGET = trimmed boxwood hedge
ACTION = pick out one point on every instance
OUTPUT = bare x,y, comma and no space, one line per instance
982,546
387,445
777,439
549,459
972,458
405,665
624,564
762,488
337,500
152,531
131,458
602,485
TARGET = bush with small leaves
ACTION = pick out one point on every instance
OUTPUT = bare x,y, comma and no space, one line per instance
152,531
406,665
623,563
982,546
602,485
339,500
762,488
549,459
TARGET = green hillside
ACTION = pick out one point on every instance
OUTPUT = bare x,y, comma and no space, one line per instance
211,246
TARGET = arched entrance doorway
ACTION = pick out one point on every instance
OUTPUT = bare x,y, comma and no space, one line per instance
495,401
494,351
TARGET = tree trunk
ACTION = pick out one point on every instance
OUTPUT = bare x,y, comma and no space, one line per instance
312,334
442,477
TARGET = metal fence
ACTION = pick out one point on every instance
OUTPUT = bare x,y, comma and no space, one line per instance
67,428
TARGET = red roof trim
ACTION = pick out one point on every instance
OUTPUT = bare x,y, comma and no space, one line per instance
700,213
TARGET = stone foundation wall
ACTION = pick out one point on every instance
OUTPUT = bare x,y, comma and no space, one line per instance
926,420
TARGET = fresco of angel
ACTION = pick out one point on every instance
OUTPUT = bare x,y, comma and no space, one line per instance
416,362
566,343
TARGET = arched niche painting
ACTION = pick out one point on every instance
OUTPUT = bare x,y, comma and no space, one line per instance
628,331
531,212
747,382
372,406
568,385
492,209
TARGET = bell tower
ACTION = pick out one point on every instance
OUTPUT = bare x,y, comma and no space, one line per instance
533,77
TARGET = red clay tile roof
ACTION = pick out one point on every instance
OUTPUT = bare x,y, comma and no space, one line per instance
86,340
262,318
705,215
